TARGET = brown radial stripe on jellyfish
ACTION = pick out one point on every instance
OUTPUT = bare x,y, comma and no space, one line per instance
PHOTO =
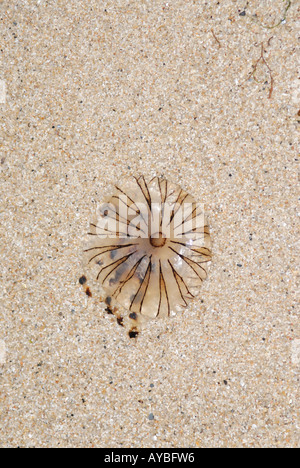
149,247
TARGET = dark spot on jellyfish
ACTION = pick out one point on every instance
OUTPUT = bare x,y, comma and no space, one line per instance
108,300
120,321
99,262
113,253
133,316
82,280
105,212
88,292
118,274
298,113
132,297
133,333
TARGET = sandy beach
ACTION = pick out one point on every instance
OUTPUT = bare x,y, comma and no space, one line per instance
206,94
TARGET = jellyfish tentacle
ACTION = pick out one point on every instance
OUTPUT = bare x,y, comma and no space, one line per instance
118,262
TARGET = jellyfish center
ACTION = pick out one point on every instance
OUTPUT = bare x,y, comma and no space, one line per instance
158,239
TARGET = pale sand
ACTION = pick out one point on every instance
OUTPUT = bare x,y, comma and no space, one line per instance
96,91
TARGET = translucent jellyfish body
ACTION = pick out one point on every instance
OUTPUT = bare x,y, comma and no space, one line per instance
149,247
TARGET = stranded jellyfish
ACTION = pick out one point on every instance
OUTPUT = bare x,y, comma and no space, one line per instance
148,248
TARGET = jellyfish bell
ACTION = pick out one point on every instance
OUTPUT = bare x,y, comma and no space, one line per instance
149,247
